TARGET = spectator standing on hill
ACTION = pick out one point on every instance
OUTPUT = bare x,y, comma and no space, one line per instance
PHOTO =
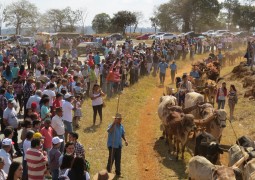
173,68
221,96
162,66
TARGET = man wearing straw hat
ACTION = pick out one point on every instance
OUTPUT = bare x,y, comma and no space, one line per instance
116,133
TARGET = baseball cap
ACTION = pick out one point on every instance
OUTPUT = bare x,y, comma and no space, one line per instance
7,142
38,136
56,140
11,101
33,105
67,95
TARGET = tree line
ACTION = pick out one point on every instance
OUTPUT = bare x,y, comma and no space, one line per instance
175,15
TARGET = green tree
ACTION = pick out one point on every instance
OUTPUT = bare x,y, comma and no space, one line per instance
154,23
244,17
139,18
72,17
20,14
230,7
101,23
122,19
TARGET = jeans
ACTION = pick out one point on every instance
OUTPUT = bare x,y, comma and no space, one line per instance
114,155
25,170
162,77
109,89
54,174
155,67
221,104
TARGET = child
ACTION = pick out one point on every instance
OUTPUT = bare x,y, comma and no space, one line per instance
54,155
47,132
45,109
77,112
27,125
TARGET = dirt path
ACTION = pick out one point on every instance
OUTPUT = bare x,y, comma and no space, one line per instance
148,157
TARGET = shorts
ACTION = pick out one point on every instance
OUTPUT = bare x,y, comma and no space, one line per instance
68,126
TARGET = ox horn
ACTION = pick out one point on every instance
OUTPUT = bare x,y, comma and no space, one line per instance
241,161
204,121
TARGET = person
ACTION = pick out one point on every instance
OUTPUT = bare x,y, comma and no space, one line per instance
26,146
57,103
79,149
47,133
103,175
221,96
54,155
7,74
77,112
58,126
3,103
35,98
45,109
4,153
50,91
3,175
232,100
66,164
67,114
36,160
77,170
10,119
185,87
15,172
97,103
173,68
116,133
69,150
162,66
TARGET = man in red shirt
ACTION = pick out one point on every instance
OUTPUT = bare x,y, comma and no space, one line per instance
36,160
57,103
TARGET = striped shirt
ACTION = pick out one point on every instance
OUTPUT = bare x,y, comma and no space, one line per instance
36,163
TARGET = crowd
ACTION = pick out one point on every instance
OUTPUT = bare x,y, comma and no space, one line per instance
42,92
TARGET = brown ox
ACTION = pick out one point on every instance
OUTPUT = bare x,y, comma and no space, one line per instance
210,91
213,120
179,126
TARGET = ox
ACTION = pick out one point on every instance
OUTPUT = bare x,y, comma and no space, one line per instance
210,91
179,126
166,102
191,100
213,120
199,168
207,147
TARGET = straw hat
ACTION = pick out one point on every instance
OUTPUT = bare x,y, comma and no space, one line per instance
103,175
118,116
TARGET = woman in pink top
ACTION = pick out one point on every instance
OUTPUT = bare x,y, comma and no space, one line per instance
22,73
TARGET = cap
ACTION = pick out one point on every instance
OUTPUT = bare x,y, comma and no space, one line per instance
7,142
67,95
38,136
118,116
11,101
33,105
56,140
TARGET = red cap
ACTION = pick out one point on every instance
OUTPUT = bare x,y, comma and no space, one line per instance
33,105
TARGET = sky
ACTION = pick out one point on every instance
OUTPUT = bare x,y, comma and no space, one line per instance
99,6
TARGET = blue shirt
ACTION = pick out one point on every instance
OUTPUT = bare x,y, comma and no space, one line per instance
8,78
9,96
173,67
117,141
162,67
97,59
194,74
1,58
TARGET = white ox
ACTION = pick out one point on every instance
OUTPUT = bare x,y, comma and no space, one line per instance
163,109
199,168
192,99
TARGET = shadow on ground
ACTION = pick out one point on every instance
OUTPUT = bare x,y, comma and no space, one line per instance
168,160
91,129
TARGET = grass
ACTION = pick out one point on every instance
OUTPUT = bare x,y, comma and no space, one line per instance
132,103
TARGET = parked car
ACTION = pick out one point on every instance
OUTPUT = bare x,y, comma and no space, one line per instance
152,36
85,47
242,34
219,33
208,33
118,36
158,35
5,38
168,36
26,41
143,37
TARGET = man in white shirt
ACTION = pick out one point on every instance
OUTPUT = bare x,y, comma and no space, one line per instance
4,153
51,93
67,114
35,98
58,126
